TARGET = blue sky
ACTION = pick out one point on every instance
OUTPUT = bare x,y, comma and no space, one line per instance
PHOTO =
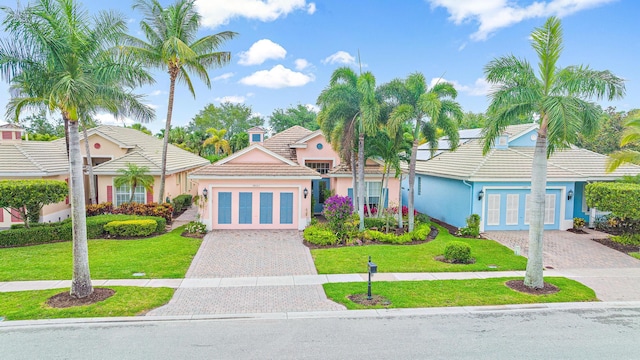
287,49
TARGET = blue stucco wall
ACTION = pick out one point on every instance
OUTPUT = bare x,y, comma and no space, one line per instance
524,140
579,199
443,199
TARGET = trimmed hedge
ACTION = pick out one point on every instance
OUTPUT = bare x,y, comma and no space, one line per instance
63,231
151,209
420,233
131,228
622,199
458,252
180,202
319,235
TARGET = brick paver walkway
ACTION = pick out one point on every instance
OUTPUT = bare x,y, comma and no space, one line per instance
566,250
243,254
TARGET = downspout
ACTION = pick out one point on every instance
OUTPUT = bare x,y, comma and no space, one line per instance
470,196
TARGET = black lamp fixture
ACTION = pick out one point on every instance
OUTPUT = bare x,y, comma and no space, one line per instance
481,195
570,195
305,192
205,192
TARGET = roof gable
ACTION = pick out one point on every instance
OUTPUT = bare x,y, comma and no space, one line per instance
255,154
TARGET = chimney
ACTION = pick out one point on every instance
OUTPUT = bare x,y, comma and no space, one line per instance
256,135
10,134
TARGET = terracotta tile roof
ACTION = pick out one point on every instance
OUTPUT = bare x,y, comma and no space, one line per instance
279,143
255,170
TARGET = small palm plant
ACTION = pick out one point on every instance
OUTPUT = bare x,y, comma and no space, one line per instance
134,176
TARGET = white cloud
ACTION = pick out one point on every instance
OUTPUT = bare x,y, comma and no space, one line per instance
108,119
311,8
157,93
312,107
224,76
261,51
461,47
219,12
479,88
153,106
234,99
340,57
302,64
492,15
276,78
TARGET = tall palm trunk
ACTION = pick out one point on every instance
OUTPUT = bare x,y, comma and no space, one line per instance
400,203
354,173
92,183
81,281
173,74
533,276
361,178
412,180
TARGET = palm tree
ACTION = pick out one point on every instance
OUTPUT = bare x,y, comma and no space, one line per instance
218,141
630,136
134,176
559,96
350,101
416,103
172,46
61,59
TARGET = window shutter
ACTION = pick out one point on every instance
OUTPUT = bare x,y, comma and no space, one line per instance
15,216
493,209
286,208
149,196
245,209
266,208
549,208
109,193
512,209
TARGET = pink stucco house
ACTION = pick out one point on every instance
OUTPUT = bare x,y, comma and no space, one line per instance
271,183
112,147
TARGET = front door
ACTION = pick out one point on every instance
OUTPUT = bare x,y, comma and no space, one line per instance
319,188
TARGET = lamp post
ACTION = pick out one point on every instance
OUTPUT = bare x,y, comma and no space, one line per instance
373,268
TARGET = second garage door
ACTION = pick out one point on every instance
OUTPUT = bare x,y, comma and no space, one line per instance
248,208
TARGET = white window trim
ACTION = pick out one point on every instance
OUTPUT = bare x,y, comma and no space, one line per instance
128,195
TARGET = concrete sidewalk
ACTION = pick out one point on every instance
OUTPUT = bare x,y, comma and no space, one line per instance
609,284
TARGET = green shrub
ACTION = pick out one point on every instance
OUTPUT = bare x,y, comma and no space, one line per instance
337,210
458,252
422,218
180,202
473,226
129,228
627,239
418,234
622,199
196,227
319,235
374,223
578,223
63,230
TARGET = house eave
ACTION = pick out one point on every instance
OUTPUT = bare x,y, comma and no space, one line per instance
252,177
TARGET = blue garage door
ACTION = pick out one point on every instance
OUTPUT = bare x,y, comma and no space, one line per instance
286,208
245,208
508,209
266,208
224,208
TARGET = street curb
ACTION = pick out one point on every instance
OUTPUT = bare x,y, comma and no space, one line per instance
346,314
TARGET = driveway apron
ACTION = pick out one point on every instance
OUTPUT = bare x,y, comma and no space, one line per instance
245,255
611,274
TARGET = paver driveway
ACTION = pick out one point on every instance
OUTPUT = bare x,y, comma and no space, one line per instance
238,256
614,276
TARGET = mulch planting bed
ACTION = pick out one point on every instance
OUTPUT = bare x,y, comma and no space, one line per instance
190,235
577,231
617,246
66,300
518,285
432,235
375,300
442,259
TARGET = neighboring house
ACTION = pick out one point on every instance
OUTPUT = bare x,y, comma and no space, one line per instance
112,147
271,183
455,184
32,160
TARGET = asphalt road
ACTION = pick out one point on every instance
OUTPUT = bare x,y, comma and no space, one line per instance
530,334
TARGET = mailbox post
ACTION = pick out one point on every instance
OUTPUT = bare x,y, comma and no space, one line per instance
373,268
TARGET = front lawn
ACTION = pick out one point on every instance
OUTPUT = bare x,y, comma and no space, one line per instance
416,258
127,301
440,293
165,256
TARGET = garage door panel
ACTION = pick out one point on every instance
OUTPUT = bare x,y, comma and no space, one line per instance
509,209
255,207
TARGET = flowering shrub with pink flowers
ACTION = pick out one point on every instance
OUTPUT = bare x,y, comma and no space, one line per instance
337,210
405,210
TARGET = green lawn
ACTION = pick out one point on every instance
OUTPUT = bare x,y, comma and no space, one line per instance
635,255
416,258
127,301
164,256
439,293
